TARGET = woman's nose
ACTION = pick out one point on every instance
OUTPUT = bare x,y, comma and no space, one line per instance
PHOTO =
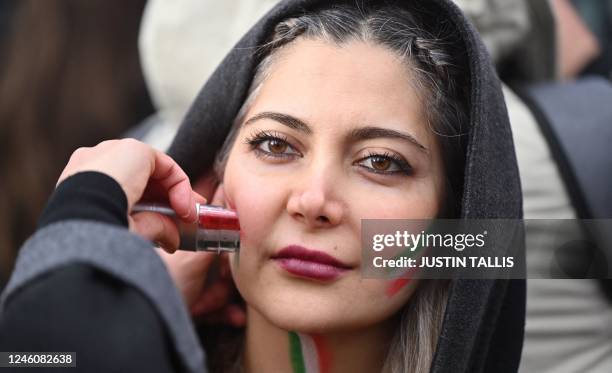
314,203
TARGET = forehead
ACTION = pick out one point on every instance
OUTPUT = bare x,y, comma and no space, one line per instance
355,83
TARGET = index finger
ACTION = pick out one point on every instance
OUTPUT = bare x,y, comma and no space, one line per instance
167,173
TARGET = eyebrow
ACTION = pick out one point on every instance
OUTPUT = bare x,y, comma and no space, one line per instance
363,133
287,120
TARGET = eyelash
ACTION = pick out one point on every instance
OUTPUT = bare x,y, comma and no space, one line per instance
405,169
262,136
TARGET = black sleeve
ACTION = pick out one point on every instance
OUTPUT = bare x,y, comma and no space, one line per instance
86,195
110,325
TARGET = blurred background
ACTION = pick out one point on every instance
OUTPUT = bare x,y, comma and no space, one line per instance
76,72
70,76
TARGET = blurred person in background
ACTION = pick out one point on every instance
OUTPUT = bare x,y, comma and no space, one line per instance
181,43
70,76
561,128
597,15
560,120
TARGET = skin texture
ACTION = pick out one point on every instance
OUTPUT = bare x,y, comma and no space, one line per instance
312,188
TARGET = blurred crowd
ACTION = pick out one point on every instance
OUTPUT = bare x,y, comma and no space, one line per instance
76,72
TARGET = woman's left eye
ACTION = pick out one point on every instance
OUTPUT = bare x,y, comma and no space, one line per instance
385,164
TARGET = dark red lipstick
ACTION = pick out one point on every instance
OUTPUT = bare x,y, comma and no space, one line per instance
309,263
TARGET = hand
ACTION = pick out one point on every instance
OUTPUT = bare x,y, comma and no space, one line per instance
210,302
145,173
142,172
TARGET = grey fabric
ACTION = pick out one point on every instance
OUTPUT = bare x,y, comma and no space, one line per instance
577,118
563,331
116,251
483,326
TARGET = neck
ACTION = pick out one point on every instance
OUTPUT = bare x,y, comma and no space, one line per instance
269,348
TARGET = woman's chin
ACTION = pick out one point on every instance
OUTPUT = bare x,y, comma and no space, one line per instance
298,321
304,315
305,305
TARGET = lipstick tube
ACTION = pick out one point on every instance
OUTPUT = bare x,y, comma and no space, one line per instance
217,229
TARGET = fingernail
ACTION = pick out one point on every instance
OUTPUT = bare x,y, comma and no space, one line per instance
192,214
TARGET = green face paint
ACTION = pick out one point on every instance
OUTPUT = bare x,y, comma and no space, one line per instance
308,354
404,279
295,353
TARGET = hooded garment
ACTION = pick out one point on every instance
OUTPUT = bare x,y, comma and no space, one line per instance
182,42
484,321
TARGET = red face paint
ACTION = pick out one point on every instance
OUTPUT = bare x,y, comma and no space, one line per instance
396,285
323,354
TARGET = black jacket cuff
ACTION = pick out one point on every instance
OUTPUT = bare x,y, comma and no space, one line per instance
89,195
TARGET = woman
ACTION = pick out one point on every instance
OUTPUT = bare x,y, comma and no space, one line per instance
343,112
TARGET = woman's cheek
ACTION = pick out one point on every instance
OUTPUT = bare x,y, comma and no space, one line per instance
257,197
253,198
252,207
383,302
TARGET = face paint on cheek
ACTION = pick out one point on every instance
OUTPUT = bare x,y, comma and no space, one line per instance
396,285
308,353
418,251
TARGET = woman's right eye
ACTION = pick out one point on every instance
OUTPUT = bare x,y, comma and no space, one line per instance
269,145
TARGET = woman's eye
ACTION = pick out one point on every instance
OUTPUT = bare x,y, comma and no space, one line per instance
268,145
381,164
275,146
385,164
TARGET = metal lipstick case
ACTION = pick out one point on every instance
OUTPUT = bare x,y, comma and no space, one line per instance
217,229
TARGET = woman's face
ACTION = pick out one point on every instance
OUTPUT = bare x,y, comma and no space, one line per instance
335,135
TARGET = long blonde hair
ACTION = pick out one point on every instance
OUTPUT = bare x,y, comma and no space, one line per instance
414,344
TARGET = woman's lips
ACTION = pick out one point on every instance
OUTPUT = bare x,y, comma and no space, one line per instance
313,264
